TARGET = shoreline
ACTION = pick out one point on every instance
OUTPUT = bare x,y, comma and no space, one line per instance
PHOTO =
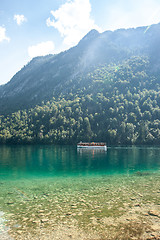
4,235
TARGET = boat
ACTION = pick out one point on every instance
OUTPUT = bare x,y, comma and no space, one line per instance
92,145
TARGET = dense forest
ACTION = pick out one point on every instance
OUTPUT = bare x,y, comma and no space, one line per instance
116,103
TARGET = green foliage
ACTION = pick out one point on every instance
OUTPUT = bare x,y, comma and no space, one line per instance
118,104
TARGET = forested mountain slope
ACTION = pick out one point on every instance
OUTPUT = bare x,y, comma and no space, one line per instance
120,104
107,88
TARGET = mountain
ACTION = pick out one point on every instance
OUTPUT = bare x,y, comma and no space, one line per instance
49,76
107,88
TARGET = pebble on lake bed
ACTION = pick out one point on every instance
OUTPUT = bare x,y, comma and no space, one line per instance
154,213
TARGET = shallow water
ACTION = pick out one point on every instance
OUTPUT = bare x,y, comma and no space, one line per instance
45,185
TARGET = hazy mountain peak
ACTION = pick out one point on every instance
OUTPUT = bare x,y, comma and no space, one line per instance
90,35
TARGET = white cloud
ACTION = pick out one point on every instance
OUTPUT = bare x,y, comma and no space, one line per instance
41,49
127,14
73,20
3,35
19,19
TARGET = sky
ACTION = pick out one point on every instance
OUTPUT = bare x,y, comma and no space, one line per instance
30,28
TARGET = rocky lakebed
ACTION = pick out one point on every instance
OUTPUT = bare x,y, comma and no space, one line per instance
83,208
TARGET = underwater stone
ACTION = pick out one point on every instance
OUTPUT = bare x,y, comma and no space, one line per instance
9,203
154,213
142,173
44,220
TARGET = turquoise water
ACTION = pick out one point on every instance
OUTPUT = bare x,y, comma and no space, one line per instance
44,187
51,161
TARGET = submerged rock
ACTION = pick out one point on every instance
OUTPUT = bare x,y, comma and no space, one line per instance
44,220
10,203
154,213
142,173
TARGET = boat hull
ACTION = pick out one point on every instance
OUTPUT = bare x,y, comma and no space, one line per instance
92,147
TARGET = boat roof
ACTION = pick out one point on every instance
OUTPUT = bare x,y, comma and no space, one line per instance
91,143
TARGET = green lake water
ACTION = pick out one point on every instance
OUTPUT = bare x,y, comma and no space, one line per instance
25,162
64,182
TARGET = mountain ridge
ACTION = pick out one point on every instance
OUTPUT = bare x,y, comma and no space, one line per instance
44,77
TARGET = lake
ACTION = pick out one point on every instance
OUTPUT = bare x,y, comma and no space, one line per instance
79,194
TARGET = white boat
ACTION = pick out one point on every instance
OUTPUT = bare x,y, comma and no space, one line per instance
92,145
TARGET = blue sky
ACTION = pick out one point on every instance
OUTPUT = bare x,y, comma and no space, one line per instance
30,28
